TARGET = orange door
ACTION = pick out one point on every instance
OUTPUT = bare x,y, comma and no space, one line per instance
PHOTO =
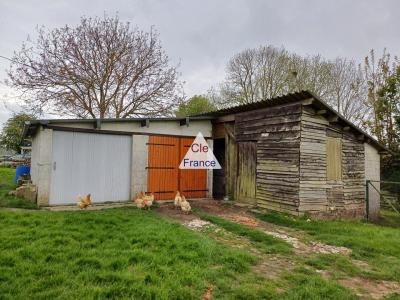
193,183
162,166
165,177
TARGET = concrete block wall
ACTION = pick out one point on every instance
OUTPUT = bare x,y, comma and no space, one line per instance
42,164
139,164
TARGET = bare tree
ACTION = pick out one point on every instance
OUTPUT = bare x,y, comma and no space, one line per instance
267,72
100,68
348,90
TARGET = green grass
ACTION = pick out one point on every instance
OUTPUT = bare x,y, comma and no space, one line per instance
378,245
304,284
117,253
6,185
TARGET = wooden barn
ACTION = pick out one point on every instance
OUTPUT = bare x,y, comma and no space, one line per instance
291,154
295,154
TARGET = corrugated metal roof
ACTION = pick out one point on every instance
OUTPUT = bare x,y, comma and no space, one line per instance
284,99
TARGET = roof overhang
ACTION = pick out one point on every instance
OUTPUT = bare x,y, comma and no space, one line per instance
31,127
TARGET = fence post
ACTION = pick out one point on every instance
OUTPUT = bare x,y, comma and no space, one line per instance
367,183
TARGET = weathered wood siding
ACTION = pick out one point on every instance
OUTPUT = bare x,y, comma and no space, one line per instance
313,185
230,160
277,133
353,174
246,172
319,195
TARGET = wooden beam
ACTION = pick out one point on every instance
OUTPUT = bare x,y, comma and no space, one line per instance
322,112
97,124
223,119
184,122
308,101
333,118
145,123
360,137
230,133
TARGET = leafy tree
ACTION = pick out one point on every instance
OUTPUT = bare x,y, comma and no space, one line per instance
100,68
11,134
196,105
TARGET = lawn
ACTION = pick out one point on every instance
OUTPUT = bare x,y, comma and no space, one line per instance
377,244
116,253
7,184
133,254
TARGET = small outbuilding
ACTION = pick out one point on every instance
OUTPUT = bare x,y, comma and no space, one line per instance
292,154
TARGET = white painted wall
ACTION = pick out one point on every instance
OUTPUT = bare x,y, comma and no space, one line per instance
372,172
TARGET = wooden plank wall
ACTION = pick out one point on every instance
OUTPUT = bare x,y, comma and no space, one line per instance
353,174
313,162
230,160
277,132
317,194
246,173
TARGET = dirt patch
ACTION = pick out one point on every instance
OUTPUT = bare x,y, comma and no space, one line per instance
243,216
317,247
168,209
247,221
369,288
197,224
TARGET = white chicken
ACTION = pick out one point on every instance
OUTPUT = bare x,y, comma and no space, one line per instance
178,200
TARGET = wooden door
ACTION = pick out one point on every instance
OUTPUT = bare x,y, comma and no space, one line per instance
246,172
164,176
192,183
162,166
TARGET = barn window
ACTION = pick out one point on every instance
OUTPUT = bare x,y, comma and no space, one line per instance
334,159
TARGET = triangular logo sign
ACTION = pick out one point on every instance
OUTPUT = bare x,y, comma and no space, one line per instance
199,156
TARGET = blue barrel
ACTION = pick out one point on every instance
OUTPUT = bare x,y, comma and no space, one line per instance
21,170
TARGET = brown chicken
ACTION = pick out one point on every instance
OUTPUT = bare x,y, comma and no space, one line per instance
185,205
144,201
84,202
139,200
148,200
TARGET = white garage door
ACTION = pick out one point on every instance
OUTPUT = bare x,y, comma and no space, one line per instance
87,163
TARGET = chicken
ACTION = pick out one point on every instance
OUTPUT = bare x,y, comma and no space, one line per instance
148,200
185,205
84,202
139,201
208,294
178,200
